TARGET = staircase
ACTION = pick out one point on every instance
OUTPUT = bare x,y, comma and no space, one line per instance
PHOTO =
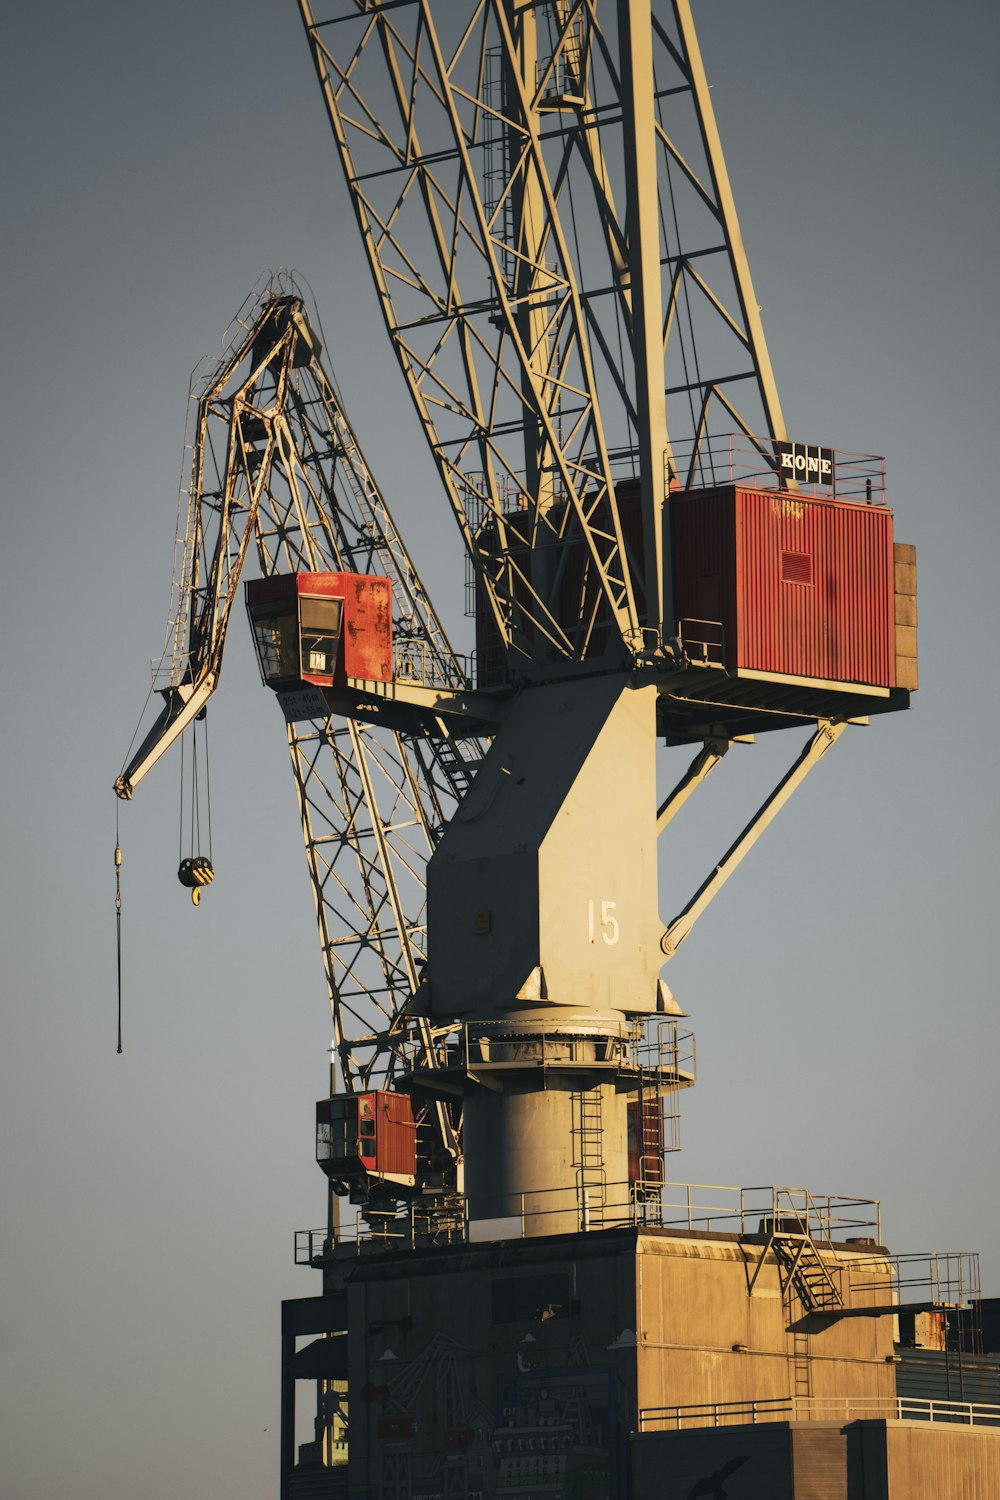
804,1268
456,769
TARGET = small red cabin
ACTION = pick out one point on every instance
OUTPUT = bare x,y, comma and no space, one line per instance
321,628
373,1134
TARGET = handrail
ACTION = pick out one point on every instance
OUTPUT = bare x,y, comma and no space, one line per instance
735,458
756,1210
414,660
758,1214
818,1409
663,1049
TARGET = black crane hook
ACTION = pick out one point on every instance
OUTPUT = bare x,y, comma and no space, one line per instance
193,873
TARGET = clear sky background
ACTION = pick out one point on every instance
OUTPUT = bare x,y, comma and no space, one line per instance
843,988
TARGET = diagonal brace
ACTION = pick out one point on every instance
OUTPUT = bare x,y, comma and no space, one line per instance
703,764
826,735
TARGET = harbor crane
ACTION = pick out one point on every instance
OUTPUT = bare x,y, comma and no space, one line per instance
276,476
499,970
543,202
652,559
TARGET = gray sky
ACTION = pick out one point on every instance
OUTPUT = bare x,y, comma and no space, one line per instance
843,988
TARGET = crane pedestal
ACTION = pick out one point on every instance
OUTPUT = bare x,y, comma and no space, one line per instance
543,940
546,1162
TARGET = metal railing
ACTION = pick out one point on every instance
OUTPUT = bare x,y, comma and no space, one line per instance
416,661
660,1054
620,1205
763,1210
948,1279
312,1246
380,1230
817,1409
735,458
702,642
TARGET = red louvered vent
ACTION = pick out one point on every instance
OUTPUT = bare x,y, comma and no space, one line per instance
796,567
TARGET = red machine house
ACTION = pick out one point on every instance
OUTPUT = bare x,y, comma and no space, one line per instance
785,585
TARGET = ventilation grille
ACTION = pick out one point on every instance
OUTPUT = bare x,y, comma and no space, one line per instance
796,567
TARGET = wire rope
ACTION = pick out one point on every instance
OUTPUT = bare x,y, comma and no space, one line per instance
118,921
208,788
180,830
684,285
195,809
138,726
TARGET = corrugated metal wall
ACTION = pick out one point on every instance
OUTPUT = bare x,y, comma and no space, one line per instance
703,539
396,1135
814,588
803,588
943,1375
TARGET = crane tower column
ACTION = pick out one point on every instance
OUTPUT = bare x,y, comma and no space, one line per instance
543,941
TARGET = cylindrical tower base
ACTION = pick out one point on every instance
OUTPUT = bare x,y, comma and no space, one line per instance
554,1159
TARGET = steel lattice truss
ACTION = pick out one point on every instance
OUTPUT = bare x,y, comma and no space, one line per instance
276,469
539,304
367,839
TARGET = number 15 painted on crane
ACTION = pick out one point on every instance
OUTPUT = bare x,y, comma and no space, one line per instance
608,922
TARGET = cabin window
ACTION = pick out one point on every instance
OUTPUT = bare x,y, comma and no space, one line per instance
274,632
320,622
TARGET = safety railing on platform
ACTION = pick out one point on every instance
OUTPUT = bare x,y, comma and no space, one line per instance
816,472
702,642
753,1213
768,1210
660,1054
381,1231
936,1281
817,1409
748,1212
415,661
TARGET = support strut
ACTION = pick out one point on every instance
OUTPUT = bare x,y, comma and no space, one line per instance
826,735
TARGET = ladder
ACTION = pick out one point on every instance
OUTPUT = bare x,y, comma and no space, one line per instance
800,1372
589,1154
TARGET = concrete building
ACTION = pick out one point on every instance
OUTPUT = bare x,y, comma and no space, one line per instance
635,1361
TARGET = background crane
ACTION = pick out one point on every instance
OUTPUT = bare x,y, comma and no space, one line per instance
277,475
